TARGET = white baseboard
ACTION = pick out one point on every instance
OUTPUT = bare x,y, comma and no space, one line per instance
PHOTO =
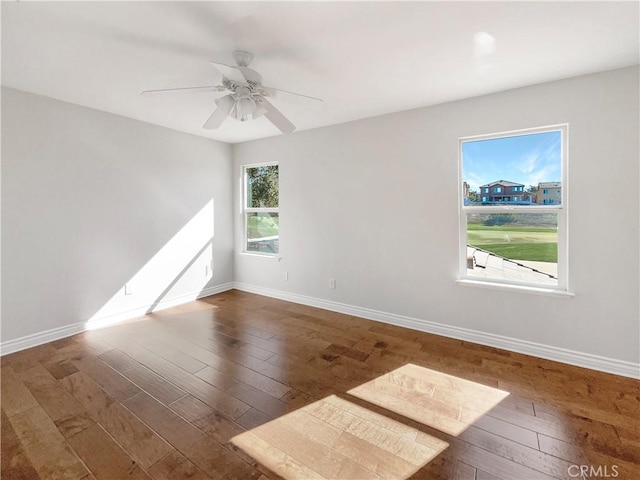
22,343
571,357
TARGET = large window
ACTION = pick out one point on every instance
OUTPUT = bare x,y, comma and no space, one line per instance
510,230
261,220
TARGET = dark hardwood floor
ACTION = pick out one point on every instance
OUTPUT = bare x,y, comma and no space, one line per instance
240,386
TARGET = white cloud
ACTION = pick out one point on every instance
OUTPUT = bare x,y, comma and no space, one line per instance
529,164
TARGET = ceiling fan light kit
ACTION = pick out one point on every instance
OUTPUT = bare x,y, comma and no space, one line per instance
247,97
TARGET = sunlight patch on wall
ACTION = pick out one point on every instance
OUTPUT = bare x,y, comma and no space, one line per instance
187,255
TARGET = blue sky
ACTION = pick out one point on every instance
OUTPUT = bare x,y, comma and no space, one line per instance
526,159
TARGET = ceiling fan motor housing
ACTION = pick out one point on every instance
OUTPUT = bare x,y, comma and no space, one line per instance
242,57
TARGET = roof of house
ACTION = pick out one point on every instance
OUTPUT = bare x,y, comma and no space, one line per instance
549,184
490,265
505,183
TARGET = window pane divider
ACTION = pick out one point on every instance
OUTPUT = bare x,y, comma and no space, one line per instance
262,210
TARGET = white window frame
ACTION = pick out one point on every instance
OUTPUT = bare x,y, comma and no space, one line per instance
247,210
560,209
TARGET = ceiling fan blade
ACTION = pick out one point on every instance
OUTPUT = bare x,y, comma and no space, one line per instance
232,73
268,89
277,118
164,91
225,105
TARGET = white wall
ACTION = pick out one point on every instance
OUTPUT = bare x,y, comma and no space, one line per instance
89,200
373,204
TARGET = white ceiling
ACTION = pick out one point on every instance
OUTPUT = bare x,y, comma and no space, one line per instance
363,58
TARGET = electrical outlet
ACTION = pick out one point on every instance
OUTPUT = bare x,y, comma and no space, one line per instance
286,276
128,289
332,283
206,270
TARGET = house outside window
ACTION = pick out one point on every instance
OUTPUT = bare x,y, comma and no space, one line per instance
518,234
549,193
261,209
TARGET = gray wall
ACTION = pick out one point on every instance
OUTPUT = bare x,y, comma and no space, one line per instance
355,206
88,201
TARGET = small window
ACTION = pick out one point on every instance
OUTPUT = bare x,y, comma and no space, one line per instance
519,239
261,205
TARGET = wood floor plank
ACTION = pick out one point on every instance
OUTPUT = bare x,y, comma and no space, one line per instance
138,440
622,442
518,453
16,397
143,444
576,455
480,475
275,459
253,418
60,369
257,399
176,466
219,462
219,427
118,360
88,393
173,428
173,355
508,430
109,380
496,464
14,462
105,458
384,464
45,446
29,358
218,378
66,412
310,453
154,384
441,417
197,387
203,450
191,408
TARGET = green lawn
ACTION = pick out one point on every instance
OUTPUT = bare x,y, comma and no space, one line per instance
262,225
516,242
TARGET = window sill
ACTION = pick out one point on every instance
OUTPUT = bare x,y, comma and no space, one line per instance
550,292
268,256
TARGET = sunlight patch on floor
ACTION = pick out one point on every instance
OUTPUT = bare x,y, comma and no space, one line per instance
444,402
334,438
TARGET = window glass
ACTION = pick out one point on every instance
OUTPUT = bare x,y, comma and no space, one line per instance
261,205
513,226
519,163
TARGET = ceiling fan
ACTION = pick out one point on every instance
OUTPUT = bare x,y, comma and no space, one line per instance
247,97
